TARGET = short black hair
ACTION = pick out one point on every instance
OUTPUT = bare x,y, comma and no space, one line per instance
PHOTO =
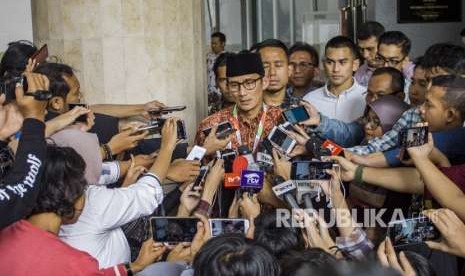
219,62
396,38
420,264
397,79
15,58
419,62
455,91
305,47
342,42
234,254
447,56
277,239
62,181
55,72
220,35
272,42
369,29
296,263
462,33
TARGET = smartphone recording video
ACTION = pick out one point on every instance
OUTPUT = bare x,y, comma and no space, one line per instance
279,138
224,129
226,226
411,137
412,231
173,229
310,170
167,109
296,115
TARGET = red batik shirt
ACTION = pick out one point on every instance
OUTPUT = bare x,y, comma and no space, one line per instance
248,128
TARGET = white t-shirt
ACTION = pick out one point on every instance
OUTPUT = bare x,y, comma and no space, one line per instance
346,107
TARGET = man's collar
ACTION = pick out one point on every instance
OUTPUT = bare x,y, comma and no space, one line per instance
330,94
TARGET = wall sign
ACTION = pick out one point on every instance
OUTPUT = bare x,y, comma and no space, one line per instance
429,11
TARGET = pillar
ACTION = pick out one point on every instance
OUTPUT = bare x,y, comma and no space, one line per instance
130,51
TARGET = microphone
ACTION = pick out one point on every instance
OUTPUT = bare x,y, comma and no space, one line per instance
285,191
333,148
252,180
306,191
232,180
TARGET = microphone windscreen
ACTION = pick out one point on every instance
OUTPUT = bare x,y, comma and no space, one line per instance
240,163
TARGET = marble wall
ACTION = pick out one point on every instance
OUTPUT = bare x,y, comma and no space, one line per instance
130,51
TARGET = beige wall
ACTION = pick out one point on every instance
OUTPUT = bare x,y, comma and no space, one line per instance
130,51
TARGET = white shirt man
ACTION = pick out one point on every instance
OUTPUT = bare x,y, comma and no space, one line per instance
98,230
342,98
348,106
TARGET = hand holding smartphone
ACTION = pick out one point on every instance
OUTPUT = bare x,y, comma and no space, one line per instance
412,231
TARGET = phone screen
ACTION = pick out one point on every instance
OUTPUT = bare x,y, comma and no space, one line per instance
223,127
296,115
310,170
172,229
412,231
226,226
182,134
281,139
200,177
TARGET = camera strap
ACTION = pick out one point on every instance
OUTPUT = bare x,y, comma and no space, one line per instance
260,128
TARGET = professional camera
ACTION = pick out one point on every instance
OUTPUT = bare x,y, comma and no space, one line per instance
8,87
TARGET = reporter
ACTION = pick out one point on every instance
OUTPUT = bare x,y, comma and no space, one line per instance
98,229
234,255
19,189
60,200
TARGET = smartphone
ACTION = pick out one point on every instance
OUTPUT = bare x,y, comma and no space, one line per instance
182,133
310,170
82,118
197,153
152,129
224,129
411,137
226,226
167,109
201,177
173,229
267,146
296,115
228,156
41,55
412,231
279,138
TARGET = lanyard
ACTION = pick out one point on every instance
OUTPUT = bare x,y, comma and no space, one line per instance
259,133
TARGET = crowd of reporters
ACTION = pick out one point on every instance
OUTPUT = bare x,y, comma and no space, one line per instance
82,186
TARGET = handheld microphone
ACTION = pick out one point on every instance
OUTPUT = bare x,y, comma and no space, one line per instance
306,191
264,161
333,148
232,180
285,190
252,180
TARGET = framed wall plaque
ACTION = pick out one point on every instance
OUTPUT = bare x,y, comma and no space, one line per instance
429,11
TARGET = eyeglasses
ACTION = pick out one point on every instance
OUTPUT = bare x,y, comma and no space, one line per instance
389,61
248,84
302,65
